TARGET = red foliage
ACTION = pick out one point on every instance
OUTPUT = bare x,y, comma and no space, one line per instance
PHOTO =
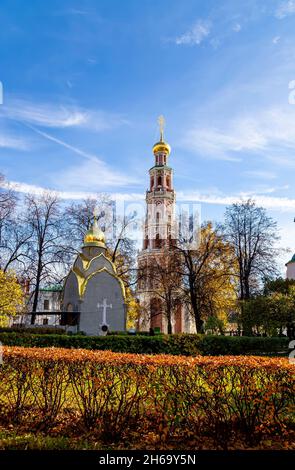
163,396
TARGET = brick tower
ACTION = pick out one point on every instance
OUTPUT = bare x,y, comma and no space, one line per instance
160,236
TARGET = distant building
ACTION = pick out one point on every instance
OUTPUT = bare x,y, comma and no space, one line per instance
48,308
291,268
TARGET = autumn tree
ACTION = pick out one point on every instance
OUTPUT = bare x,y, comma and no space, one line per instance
11,296
133,309
207,271
253,235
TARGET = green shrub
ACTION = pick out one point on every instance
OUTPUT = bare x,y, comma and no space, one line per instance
178,344
37,330
236,345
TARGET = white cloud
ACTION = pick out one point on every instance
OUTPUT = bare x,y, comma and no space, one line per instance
269,202
195,35
25,188
59,116
237,28
285,8
270,132
276,39
261,174
9,141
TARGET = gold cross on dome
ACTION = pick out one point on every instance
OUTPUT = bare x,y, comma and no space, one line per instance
161,122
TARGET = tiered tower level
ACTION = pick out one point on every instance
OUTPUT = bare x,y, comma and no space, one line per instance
160,199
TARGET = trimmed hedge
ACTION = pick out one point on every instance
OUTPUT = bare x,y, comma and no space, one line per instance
237,345
157,400
35,330
178,344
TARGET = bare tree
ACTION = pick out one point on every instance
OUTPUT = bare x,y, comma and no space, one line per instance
121,248
15,235
253,236
7,204
15,245
164,283
79,216
45,219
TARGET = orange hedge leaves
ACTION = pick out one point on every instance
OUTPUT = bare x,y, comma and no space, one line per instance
162,396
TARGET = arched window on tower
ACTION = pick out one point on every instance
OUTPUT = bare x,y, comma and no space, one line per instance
168,182
157,218
152,183
157,241
159,180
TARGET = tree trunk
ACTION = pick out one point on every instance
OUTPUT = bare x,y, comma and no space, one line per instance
169,325
36,293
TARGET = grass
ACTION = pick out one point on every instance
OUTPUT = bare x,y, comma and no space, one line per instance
12,440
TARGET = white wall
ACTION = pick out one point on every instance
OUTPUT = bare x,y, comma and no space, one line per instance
291,271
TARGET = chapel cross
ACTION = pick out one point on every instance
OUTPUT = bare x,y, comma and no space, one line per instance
104,306
95,213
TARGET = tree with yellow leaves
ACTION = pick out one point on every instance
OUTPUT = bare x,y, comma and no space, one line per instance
133,309
208,274
11,296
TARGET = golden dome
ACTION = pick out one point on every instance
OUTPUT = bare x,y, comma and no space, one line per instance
162,147
94,236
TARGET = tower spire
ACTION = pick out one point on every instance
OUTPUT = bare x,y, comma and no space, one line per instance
161,147
161,122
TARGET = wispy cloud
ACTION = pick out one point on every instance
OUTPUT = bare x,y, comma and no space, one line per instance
261,174
72,148
59,116
269,202
9,141
237,27
25,188
285,8
276,39
275,203
270,132
93,173
195,35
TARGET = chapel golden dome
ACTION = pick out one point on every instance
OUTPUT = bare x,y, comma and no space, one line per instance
94,236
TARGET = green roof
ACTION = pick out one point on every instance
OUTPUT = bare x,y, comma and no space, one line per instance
292,260
161,167
56,288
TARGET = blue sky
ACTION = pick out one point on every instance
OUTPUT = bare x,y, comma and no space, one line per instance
84,83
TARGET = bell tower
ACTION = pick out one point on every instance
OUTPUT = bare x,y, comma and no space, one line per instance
158,236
